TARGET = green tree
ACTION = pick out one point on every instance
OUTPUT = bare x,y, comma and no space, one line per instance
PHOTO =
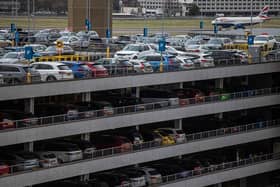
194,10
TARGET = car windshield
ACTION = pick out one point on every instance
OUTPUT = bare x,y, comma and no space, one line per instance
215,41
63,67
261,38
51,48
11,55
133,48
63,39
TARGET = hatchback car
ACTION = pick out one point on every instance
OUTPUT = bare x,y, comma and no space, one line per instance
52,71
97,69
64,151
136,177
130,50
52,51
13,58
152,176
47,159
79,69
4,168
18,73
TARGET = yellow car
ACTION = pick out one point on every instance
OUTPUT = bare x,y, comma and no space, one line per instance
166,139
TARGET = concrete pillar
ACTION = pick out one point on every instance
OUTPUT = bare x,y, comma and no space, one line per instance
218,185
219,83
237,155
85,136
137,127
86,97
84,177
243,182
29,146
137,92
181,85
178,124
29,105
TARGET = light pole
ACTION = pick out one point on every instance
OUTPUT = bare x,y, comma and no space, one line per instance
33,14
29,16
251,24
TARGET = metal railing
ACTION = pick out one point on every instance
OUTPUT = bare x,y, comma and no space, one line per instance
95,114
221,167
130,148
125,71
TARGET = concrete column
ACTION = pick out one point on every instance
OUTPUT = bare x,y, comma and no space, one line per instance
178,124
137,127
85,136
86,97
218,185
29,105
137,92
237,155
181,85
219,83
29,146
243,182
84,177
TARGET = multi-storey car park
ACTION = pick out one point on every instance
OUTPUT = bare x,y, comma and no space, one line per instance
262,100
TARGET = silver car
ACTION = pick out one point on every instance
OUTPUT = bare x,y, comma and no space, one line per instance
18,73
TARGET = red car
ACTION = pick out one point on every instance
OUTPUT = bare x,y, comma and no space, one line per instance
98,70
121,143
4,168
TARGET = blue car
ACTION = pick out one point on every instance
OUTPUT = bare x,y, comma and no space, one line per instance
80,69
169,62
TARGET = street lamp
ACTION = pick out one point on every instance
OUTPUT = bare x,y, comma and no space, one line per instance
251,24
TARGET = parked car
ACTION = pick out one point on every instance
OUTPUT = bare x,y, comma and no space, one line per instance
73,41
152,176
163,98
97,69
130,50
193,94
113,179
92,35
166,139
4,168
140,66
87,147
79,69
196,48
168,62
66,111
53,51
16,118
18,73
20,161
52,71
225,57
136,177
64,151
47,159
95,108
178,135
13,58
119,143
185,62
153,137
218,43
267,40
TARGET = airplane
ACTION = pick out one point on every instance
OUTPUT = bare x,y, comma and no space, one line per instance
241,22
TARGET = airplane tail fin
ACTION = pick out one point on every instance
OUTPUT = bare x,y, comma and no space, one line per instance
264,13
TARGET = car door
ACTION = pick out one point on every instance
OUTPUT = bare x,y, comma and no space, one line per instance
45,70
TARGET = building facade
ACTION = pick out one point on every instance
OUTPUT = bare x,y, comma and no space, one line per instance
168,7
237,7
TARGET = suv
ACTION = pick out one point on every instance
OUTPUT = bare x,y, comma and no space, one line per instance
267,40
51,71
225,57
17,73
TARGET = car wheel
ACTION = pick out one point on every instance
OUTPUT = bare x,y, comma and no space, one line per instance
51,78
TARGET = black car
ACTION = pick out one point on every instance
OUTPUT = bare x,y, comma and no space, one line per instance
225,57
112,179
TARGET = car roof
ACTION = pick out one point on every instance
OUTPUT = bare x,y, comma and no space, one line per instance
16,65
50,63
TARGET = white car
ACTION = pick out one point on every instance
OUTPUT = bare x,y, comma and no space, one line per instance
91,34
132,50
51,71
268,40
13,58
196,48
178,135
73,41
152,176
186,62
47,159
37,47
140,66
202,59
